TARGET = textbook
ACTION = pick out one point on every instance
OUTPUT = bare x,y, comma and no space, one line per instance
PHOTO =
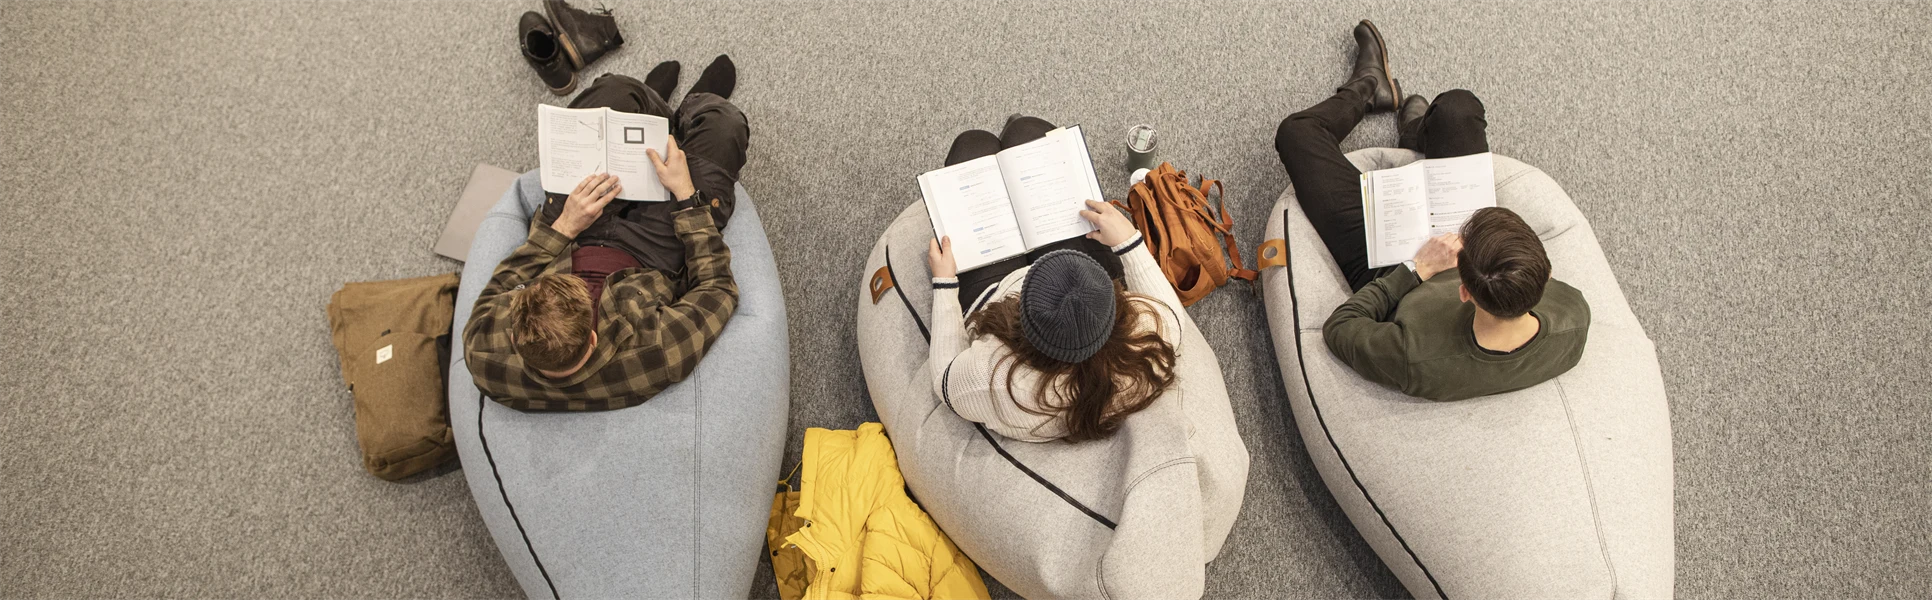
1000,206
574,143
1405,206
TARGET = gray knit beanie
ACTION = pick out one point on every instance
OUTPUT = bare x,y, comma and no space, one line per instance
1067,305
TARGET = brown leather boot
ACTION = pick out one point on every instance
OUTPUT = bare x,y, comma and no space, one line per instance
1408,122
1372,61
586,35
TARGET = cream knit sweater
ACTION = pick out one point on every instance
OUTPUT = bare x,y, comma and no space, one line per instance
970,373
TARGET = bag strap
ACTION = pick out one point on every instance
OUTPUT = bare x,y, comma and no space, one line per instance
1226,228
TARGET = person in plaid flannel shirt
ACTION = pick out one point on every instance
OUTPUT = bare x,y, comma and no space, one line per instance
602,309
548,334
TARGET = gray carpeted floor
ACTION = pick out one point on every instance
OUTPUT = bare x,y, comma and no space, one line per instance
186,183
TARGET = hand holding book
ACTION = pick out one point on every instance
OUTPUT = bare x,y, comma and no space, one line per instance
939,257
672,169
586,203
1110,227
1437,255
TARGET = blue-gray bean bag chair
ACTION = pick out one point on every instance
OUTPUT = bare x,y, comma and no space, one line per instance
1559,490
667,499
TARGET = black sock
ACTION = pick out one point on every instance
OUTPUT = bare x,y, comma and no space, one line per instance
720,78
663,78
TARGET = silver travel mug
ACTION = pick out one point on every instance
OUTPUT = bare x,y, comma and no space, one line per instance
1140,148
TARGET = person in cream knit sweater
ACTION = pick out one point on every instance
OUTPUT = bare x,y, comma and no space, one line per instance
1055,348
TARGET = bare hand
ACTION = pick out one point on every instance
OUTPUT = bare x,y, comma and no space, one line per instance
1113,228
939,256
586,204
672,170
1437,255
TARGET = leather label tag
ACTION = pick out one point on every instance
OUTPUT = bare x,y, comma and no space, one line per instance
1272,253
881,281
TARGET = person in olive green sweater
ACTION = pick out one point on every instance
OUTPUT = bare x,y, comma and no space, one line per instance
1498,323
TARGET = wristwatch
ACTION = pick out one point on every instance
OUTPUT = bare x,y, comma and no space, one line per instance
1411,265
689,202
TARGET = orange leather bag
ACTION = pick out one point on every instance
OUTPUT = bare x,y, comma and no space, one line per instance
1192,243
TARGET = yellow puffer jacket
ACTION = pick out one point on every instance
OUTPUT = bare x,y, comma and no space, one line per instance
851,532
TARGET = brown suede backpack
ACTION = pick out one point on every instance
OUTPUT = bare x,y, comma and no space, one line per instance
1192,244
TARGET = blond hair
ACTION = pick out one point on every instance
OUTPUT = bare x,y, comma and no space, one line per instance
550,320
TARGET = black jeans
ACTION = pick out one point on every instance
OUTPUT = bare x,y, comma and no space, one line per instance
1329,187
977,143
714,136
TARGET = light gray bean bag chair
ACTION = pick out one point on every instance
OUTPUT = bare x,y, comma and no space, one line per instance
1561,490
1133,516
667,499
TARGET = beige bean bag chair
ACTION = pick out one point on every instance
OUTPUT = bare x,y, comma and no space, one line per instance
1134,516
1561,490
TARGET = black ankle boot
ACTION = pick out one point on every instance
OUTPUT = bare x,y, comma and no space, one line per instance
1408,122
1372,60
540,48
586,36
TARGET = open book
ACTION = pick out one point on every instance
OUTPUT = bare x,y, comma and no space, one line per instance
1027,196
574,143
1405,206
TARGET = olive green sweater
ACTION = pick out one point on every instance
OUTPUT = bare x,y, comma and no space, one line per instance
1418,337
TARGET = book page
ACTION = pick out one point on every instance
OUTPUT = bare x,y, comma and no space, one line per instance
570,146
1083,159
1458,187
626,135
1049,181
968,201
1396,211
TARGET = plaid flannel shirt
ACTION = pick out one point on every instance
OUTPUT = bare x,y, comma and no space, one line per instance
647,336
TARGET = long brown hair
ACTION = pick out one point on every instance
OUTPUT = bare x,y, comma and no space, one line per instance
1095,395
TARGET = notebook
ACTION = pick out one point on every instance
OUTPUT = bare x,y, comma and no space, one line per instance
487,186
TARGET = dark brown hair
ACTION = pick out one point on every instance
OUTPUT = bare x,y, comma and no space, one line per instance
550,321
1502,263
1095,395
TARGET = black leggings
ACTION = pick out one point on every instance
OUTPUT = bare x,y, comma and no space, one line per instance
978,143
1329,187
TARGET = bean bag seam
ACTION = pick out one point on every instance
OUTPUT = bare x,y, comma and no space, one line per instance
697,487
1589,485
505,493
1157,469
1301,360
